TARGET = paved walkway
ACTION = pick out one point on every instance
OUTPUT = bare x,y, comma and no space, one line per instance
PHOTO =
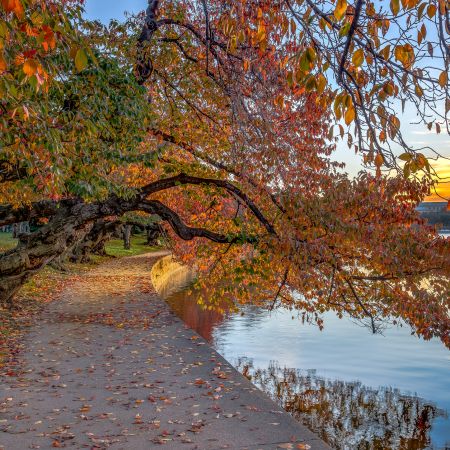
109,366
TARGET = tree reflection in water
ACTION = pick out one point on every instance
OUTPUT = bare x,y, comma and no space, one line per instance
348,415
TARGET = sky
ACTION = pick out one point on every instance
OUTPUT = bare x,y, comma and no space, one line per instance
415,135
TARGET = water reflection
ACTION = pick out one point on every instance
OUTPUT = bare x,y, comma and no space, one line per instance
184,304
347,415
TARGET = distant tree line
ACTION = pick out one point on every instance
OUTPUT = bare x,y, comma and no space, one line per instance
442,218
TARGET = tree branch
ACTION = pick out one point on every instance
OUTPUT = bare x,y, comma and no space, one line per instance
44,208
351,32
167,183
144,65
186,232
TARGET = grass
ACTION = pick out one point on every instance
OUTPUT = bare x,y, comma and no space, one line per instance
7,242
114,247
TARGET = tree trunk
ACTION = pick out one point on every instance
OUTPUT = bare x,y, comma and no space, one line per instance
153,233
126,231
35,250
15,230
70,224
58,263
94,241
100,249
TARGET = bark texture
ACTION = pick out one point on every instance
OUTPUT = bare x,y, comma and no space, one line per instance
126,234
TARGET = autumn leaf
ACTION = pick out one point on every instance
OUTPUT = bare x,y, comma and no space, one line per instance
405,157
358,57
81,60
30,67
350,115
404,54
13,6
3,64
443,78
431,10
395,6
340,10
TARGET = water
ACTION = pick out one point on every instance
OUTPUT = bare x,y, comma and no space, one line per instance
355,389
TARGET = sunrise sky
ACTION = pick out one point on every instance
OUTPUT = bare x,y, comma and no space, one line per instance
415,135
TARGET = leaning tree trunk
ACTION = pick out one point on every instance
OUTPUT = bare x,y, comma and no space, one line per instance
94,241
100,249
70,224
126,231
58,263
33,252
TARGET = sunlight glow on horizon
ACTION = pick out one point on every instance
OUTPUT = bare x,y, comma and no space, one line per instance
442,167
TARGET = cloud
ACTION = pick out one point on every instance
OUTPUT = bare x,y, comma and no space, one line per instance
423,132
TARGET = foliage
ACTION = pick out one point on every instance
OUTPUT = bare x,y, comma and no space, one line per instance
71,113
220,118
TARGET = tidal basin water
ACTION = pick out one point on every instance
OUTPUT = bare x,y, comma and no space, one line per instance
355,389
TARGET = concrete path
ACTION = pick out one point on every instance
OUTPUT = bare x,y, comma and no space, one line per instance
109,366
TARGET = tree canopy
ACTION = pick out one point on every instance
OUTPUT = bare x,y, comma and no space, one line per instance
222,118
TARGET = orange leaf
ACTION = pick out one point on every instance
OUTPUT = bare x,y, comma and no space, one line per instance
2,63
350,115
14,6
30,67
379,160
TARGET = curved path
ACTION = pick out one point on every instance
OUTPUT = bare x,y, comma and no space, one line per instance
109,366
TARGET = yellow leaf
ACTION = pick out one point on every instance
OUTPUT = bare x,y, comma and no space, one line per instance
81,60
419,91
321,83
341,9
443,78
395,7
350,115
358,57
404,54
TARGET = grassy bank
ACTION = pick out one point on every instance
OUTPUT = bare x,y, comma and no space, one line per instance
138,247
